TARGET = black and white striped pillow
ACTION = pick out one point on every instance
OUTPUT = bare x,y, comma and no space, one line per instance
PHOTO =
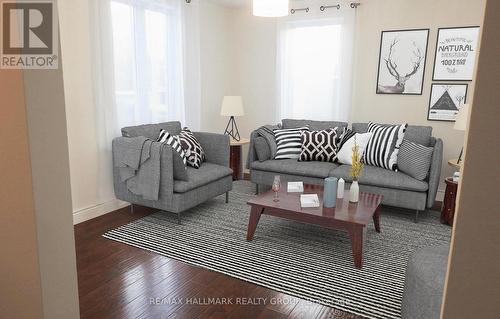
415,159
190,144
288,142
167,138
383,146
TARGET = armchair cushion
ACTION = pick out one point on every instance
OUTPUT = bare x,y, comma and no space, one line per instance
206,174
192,147
216,147
179,156
152,131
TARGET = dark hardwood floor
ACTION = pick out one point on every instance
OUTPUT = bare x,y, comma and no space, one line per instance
119,281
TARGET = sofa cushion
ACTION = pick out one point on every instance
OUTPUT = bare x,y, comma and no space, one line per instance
179,156
313,125
262,149
152,131
424,282
293,167
417,134
192,147
204,175
377,176
321,146
344,156
289,142
415,159
383,147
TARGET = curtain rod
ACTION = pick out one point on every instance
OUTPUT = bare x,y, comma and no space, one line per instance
353,5
322,8
292,11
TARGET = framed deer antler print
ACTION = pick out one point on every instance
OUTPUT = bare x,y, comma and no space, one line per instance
402,58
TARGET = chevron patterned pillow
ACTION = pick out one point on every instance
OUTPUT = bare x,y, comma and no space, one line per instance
319,146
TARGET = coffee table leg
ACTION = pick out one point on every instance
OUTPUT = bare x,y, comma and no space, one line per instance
253,221
357,239
376,219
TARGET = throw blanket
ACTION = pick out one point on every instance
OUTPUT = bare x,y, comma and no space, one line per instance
138,162
266,132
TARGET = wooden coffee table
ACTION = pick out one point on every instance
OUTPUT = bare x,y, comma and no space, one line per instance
350,217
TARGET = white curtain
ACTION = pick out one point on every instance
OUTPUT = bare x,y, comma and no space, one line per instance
314,62
143,52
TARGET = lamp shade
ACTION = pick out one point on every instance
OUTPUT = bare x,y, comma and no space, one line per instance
270,8
232,106
462,118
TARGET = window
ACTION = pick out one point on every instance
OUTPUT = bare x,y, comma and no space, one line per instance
314,69
146,49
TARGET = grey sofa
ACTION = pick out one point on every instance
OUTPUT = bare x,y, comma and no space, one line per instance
213,178
399,189
424,283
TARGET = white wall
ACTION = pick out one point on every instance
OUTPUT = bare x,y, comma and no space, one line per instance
90,197
375,16
216,54
255,42
238,57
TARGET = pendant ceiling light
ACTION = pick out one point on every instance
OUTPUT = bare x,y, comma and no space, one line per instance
270,8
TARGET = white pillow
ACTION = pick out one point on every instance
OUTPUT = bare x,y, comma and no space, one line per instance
344,156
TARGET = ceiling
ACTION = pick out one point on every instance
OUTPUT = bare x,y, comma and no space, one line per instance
231,3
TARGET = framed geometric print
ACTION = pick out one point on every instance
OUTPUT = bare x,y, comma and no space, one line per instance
445,101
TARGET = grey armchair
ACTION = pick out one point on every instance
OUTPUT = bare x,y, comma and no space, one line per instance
212,179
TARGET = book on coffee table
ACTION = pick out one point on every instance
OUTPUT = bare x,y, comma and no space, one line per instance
309,200
295,187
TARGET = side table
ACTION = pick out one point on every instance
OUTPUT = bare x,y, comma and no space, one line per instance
235,157
450,197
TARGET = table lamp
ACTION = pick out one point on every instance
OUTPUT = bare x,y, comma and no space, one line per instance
232,106
461,124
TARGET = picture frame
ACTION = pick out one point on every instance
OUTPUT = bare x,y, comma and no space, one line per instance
456,53
445,101
401,63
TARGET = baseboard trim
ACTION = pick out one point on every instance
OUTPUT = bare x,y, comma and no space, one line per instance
440,195
85,214
88,213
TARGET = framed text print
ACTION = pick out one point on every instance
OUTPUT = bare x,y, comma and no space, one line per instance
456,50
446,100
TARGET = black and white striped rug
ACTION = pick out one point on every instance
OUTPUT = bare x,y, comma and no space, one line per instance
305,261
